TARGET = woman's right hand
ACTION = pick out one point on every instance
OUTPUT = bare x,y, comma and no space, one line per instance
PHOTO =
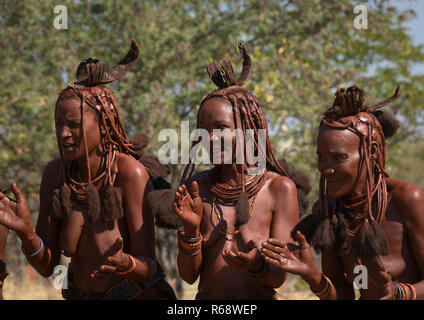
15,215
188,207
292,258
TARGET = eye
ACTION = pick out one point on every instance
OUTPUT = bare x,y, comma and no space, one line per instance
341,156
74,125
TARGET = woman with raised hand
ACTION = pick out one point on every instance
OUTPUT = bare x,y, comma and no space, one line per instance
91,198
230,210
367,225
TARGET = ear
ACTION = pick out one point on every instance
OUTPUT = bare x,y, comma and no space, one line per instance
374,151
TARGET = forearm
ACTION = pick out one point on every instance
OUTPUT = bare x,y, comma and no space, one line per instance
189,266
37,253
144,270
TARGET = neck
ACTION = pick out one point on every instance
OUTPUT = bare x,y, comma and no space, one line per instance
230,174
94,161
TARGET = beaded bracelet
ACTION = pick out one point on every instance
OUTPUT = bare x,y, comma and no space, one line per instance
186,252
404,291
130,269
326,290
191,244
182,236
36,252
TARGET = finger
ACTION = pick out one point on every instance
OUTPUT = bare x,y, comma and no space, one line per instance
276,249
276,242
300,238
194,189
107,269
185,192
116,260
249,256
176,209
17,192
270,254
232,260
274,262
100,275
118,245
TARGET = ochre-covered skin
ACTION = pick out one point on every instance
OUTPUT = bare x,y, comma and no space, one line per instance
222,264
92,204
72,227
351,156
97,240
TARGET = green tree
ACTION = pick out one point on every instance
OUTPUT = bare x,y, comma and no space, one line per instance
301,51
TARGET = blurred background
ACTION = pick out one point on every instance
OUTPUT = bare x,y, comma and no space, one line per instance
302,51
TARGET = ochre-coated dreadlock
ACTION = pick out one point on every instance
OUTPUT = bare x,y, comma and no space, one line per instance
95,97
247,114
332,226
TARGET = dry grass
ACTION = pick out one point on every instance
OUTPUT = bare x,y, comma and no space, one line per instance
293,289
35,287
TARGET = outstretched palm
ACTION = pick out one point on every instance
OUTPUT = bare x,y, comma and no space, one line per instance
289,257
15,215
188,206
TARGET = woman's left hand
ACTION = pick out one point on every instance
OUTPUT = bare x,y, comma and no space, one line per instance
240,260
119,262
380,285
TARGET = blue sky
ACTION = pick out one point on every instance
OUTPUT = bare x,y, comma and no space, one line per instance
415,26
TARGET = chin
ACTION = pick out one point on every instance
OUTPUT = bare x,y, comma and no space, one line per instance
336,192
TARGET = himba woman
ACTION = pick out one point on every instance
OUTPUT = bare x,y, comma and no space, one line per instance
228,212
366,224
91,198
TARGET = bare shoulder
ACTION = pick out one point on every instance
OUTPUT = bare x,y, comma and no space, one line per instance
131,169
52,172
281,186
407,197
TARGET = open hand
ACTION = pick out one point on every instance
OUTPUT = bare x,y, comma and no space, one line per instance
240,260
296,259
119,262
188,207
15,215
380,286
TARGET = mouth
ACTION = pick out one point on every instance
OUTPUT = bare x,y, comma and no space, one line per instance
68,146
333,181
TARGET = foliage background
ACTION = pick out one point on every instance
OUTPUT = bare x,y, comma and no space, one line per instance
302,51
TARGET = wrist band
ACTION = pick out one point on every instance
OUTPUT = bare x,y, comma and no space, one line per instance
36,252
404,291
130,269
326,290
182,236
187,252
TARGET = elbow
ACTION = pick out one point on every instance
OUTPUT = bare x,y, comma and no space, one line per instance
189,278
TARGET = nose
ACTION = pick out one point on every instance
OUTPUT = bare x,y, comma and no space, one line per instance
63,132
328,171
325,168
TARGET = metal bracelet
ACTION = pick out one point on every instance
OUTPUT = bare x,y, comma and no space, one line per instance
36,252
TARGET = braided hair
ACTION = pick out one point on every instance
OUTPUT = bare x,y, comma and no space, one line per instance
95,97
331,226
248,114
